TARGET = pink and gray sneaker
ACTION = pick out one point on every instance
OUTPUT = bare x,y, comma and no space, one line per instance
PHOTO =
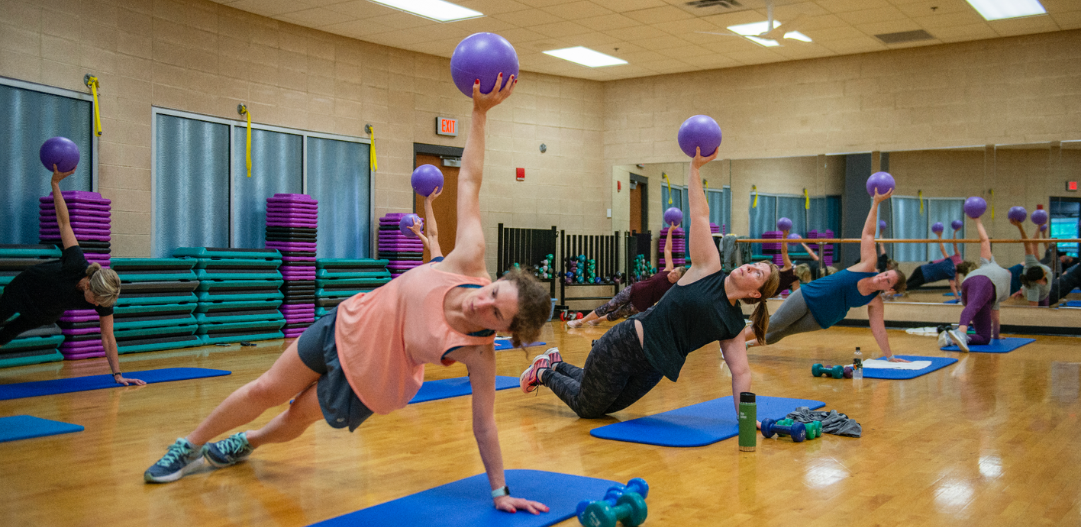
553,356
530,378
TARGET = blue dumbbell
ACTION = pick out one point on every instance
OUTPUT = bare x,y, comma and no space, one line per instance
797,431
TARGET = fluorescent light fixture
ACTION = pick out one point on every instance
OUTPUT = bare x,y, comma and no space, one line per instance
1002,9
585,57
751,32
437,10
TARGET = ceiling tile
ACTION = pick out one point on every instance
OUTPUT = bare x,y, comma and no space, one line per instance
361,9
835,33
1024,26
960,18
668,65
1061,6
596,40
521,35
922,8
846,6
682,27
662,42
623,6
890,26
862,44
608,22
484,24
686,53
528,17
270,8
659,14
560,29
866,16
1068,20
965,33
636,33
317,17
578,10
733,19
759,56
639,57
359,29
491,7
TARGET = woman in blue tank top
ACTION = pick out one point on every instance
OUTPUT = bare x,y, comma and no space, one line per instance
825,302
703,307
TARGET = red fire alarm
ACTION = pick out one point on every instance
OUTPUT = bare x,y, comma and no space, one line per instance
619,186
1071,186
520,174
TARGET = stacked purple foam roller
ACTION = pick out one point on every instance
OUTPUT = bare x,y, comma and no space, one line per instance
679,247
773,250
714,228
403,252
827,251
291,223
91,218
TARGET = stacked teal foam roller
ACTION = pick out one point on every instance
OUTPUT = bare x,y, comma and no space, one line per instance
238,294
156,307
337,279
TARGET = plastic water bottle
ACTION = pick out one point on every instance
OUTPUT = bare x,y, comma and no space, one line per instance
857,364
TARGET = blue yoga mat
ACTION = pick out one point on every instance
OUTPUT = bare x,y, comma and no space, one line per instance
27,427
954,301
1005,345
936,364
502,344
446,388
468,502
697,425
1073,303
98,382
947,294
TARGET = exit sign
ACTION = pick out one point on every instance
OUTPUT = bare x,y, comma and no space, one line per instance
446,126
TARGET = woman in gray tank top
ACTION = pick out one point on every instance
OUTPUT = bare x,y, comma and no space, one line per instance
703,307
981,293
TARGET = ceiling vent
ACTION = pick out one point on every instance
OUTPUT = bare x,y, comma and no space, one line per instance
904,36
700,8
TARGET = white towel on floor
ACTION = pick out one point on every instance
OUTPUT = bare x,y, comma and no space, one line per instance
887,365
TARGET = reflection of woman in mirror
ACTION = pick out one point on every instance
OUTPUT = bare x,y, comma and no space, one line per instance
1035,276
825,302
792,277
981,293
945,269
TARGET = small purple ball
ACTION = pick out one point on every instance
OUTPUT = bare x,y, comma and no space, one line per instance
59,151
975,206
406,222
1039,217
1017,213
881,225
482,56
880,180
1043,228
425,179
784,224
938,227
957,224
673,216
699,131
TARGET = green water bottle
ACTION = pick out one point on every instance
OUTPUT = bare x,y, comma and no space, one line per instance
748,419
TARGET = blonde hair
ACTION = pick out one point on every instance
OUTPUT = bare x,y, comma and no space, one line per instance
803,273
760,316
104,284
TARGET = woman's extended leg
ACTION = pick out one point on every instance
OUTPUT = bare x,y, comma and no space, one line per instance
791,318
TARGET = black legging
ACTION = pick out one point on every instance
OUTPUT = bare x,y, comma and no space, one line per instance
615,376
1065,283
915,280
10,307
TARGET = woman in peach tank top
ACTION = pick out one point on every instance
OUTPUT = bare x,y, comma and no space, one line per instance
369,354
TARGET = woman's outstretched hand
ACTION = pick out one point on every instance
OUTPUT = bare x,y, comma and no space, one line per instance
482,102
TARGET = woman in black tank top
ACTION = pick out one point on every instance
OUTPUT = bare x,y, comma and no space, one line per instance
703,307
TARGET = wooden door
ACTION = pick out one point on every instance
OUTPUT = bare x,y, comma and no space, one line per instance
636,207
445,206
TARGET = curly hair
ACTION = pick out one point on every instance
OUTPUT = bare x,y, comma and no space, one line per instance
534,307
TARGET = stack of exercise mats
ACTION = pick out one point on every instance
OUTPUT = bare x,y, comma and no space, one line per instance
40,344
90,216
402,253
827,251
238,294
773,250
337,279
291,223
156,307
679,247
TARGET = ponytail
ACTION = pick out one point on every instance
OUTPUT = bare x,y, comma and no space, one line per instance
104,284
760,316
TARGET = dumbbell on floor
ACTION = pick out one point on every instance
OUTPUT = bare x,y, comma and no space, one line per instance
836,372
635,485
796,431
630,509
814,428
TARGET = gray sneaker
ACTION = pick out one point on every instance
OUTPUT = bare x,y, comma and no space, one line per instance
181,458
228,451
960,339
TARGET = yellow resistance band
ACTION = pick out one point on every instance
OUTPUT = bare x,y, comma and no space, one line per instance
919,194
806,200
754,204
243,110
992,204
371,157
665,176
92,83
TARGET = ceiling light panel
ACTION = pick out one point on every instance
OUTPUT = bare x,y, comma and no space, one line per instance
585,56
437,10
1003,9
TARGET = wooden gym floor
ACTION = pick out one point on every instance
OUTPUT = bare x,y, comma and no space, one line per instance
993,439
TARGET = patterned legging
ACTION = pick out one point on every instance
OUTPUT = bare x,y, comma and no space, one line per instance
618,307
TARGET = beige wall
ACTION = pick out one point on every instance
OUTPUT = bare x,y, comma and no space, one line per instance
198,56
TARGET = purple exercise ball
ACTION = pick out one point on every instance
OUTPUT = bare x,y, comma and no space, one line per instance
699,131
673,216
784,224
1039,217
938,227
957,224
1018,213
59,151
881,225
406,222
975,206
1043,227
482,56
883,181
425,179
